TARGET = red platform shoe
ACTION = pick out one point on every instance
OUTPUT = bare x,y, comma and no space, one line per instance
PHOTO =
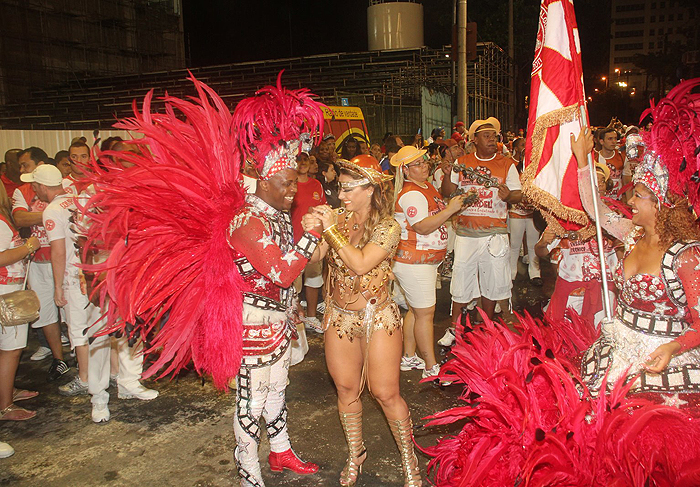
289,459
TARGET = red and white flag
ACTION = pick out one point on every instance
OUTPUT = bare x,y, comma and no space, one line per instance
556,95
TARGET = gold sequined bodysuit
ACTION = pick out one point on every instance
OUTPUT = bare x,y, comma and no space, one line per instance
356,305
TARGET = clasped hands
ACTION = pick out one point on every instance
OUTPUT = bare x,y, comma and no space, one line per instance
319,218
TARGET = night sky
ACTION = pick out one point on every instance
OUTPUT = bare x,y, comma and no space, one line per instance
223,31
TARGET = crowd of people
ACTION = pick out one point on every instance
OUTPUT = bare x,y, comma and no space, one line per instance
352,232
40,249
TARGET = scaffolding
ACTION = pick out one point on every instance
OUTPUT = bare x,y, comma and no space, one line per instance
387,85
488,84
45,42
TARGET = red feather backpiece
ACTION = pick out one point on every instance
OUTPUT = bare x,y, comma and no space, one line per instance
163,221
531,421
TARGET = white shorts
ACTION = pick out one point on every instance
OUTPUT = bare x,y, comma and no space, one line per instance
417,283
40,280
77,313
481,268
313,275
12,337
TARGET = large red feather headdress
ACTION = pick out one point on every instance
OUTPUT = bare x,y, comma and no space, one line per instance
275,125
671,163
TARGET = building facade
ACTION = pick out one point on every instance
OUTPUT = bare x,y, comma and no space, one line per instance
47,42
650,28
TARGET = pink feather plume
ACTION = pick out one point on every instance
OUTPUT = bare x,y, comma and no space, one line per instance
170,276
531,421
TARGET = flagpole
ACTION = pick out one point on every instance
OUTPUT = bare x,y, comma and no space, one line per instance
598,229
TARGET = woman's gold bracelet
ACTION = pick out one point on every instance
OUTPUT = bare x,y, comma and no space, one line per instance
335,238
30,247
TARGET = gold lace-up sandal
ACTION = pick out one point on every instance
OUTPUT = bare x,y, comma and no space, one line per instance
403,434
352,427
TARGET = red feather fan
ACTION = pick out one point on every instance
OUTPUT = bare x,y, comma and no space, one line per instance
163,221
534,423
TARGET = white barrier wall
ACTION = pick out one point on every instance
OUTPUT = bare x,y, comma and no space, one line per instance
51,141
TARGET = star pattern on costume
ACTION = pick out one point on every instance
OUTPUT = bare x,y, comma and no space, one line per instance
274,275
661,308
260,282
242,448
697,308
697,267
263,388
613,217
673,401
289,257
287,363
266,240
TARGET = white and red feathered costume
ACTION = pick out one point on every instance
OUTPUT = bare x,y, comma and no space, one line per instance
536,419
198,269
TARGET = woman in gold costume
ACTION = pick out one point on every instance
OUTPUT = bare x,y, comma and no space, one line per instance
363,340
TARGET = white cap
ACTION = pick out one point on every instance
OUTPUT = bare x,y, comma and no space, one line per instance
45,174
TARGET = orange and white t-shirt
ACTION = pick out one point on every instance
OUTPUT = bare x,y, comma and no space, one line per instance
414,204
24,199
615,163
490,214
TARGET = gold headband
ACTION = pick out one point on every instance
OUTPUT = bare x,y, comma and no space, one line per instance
354,183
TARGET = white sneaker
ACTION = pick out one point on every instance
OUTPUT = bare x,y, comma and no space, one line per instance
139,392
6,450
497,309
100,413
313,324
471,305
76,387
412,363
433,372
41,353
448,339
65,341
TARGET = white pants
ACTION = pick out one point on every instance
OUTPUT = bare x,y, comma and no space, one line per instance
260,391
481,268
130,362
98,359
40,280
517,228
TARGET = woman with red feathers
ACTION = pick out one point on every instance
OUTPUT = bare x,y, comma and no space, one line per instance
534,419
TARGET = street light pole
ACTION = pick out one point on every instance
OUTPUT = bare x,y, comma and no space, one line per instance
462,96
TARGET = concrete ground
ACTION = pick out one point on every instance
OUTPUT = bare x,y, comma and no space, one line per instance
185,437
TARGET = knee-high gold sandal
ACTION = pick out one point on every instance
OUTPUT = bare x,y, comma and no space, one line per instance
403,434
352,427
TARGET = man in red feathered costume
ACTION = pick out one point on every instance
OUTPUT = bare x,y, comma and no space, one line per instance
268,260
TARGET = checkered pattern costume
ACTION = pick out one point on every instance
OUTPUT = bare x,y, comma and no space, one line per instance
268,260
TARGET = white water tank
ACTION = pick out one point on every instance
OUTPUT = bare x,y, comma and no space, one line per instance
394,25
